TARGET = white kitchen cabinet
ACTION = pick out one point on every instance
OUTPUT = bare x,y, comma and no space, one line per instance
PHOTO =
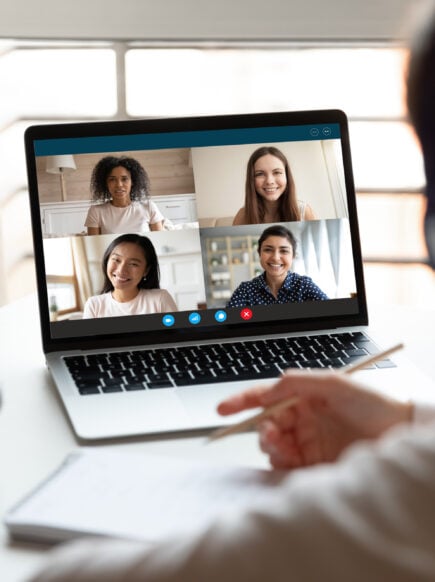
64,218
68,218
179,208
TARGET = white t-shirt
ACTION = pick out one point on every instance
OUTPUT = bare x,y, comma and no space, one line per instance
146,301
136,217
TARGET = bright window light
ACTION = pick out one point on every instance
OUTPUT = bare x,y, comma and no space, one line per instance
67,82
58,257
362,82
386,155
53,82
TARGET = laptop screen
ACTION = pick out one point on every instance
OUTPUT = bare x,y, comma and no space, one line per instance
167,230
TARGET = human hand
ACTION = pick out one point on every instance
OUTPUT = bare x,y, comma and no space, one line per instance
332,412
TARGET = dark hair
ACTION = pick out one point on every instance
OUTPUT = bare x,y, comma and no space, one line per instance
152,280
288,209
421,80
277,230
140,187
420,85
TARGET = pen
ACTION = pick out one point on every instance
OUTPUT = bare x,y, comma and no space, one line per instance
251,422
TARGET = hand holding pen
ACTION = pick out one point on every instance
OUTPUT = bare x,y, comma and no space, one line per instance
312,417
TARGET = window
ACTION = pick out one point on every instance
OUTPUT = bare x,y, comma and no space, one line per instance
79,81
61,278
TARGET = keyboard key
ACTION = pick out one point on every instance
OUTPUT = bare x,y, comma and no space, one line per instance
160,384
356,352
134,386
210,363
110,389
385,364
86,390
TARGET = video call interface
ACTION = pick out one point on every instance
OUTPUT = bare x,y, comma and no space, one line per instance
194,229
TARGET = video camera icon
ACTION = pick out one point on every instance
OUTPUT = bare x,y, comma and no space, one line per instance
168,320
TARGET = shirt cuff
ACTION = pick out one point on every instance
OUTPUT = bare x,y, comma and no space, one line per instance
423,412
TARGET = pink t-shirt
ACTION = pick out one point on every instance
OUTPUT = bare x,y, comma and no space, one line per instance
136,217
146,301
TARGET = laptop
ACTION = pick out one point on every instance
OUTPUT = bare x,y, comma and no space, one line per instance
202,332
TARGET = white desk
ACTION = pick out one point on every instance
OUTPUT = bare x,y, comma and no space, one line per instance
35,437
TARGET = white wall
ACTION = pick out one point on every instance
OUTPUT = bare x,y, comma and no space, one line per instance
219,174
205,20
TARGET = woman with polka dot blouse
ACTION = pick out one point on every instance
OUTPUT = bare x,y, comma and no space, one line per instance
276,248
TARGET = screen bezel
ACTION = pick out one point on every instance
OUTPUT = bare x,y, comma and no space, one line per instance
191,124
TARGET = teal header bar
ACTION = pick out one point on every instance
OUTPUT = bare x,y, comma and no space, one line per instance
185,139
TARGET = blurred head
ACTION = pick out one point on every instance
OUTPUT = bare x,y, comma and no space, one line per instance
114,174
420,84
130,261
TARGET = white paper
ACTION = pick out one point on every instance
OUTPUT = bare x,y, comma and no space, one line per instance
134,496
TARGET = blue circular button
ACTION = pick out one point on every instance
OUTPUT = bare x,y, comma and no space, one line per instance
194,318
220,316
168,320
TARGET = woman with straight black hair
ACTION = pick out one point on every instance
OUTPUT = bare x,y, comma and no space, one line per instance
131,281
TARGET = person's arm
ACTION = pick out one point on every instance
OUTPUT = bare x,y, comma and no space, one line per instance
92,221
93,230
309,214
167,301
310,291
239,298
240,217
156,218
368,517
156,226
332,413
89,311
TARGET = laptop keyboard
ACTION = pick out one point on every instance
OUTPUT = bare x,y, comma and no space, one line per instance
210,363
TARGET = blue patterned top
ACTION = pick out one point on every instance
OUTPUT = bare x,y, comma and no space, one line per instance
296,288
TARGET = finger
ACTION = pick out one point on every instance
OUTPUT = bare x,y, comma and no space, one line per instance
286,457
310,441
243,401
295,383
291,438
285,419
279,446
285,463
268,434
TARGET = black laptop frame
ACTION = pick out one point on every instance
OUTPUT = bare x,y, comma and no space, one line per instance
191,334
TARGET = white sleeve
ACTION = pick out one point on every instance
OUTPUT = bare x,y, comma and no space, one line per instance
167,302
89,309
93,217
423,412
155,214
368,517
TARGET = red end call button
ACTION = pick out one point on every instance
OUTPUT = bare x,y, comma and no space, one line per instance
246,313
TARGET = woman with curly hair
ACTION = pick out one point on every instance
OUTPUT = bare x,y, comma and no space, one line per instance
120,186
270,194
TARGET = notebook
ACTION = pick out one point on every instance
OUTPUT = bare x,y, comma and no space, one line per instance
207,318
148,499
